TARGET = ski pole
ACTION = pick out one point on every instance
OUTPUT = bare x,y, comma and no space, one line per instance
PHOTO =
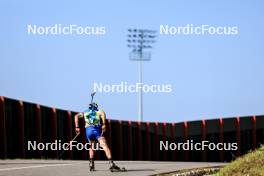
68,145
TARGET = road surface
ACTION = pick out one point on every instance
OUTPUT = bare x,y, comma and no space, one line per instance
80,168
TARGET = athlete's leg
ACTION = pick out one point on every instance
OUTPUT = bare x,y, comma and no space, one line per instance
91,150
108,154
90,136
91,155
103,144
105,147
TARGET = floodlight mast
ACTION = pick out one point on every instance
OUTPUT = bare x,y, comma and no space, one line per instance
138,41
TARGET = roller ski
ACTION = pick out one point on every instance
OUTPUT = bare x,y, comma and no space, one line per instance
115,168
91,165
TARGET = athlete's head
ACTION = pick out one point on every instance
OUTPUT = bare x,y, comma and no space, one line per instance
93,106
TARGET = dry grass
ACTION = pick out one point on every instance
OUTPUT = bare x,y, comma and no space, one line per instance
251,164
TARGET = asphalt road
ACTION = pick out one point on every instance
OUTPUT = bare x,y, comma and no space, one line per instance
80,168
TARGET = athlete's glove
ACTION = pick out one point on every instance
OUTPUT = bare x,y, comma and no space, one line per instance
77,130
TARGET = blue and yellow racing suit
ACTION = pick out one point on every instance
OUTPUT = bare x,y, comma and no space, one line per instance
93,127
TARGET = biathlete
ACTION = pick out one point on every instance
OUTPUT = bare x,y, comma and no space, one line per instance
95,126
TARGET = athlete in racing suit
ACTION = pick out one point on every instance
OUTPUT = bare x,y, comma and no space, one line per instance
95,126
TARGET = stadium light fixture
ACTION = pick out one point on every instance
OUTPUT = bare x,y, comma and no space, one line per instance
140,42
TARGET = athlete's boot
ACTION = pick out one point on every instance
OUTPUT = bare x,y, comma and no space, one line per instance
114,167
91,165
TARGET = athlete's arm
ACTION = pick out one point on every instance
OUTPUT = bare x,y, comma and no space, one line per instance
103,117
76,120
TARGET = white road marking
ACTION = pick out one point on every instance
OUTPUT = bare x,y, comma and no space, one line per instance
38,166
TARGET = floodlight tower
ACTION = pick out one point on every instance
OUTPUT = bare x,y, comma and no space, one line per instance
140,40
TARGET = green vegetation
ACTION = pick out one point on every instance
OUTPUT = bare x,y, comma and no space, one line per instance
251,164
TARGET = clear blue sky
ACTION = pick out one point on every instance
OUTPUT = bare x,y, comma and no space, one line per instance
212,76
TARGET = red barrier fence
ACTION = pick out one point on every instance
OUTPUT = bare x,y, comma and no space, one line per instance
3,150
21,122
